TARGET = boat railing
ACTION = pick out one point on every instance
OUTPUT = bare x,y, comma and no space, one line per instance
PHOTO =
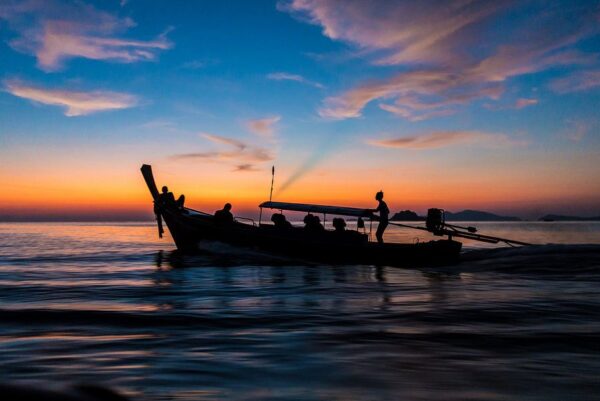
197,211
246,219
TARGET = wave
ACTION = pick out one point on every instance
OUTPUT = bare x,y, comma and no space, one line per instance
552,258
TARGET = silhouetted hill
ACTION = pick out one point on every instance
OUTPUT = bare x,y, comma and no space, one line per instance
558,217
407,215
477,215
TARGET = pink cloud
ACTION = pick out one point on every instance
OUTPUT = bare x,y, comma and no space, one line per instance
284,76
448,54
264,126
224,140
439,139
577,82
575,131
523,102
75,103
54,32
398,32
244,156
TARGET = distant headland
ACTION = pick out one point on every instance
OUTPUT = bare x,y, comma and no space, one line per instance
558,217
465,215
478,215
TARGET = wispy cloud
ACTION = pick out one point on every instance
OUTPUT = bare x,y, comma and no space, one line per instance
75,103
524,102
56,31
254,155
397,32
577,82
284,76
224,140
439,139
194,65
576,130
440,52
244,156
264,127
246,167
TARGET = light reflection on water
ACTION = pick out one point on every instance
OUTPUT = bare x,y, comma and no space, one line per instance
114,305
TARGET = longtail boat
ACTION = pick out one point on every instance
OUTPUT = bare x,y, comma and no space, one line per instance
194,231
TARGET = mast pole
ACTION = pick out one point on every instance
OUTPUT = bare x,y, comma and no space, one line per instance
272,181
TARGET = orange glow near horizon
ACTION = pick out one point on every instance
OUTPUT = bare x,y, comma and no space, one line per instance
108,192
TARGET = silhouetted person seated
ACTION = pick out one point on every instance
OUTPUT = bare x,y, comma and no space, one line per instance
224,215
280,221
313,223
167,199
339,224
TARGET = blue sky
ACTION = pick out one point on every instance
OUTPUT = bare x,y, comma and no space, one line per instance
492,104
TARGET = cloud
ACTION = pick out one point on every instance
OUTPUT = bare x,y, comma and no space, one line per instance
446,55
264,127
224,140
577,82
194,65
417,95
54,32
75,103
439,139
246,167
523,102
255,155
244,156
398,32
577,130
284,76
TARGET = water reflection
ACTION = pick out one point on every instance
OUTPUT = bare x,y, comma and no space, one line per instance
160,325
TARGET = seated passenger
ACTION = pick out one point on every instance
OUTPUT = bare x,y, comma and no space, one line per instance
224,215
280,221
339,224
312,222
167,199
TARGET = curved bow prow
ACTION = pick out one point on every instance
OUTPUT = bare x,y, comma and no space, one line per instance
149,178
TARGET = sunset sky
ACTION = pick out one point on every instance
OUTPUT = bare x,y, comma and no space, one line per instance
490,105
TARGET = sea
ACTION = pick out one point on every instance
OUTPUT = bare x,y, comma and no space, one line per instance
113,305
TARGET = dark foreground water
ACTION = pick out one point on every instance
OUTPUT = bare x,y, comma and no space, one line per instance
112,305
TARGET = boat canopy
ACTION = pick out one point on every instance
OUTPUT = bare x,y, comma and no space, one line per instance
304,207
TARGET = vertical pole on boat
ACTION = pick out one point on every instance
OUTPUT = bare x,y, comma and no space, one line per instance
272,181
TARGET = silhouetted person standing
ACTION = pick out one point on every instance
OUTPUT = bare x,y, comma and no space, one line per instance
224,215
384,213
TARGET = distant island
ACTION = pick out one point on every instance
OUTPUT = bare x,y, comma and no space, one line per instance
465,215
558,217
407,215
477,215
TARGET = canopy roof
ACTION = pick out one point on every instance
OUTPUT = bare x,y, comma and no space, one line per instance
304,207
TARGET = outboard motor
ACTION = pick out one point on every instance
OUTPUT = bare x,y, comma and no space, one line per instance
435,220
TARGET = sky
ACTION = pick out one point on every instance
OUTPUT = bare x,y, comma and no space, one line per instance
461,104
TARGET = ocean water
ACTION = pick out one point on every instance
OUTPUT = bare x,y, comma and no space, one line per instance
111,304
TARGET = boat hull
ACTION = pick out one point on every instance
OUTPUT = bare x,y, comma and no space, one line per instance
193,232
